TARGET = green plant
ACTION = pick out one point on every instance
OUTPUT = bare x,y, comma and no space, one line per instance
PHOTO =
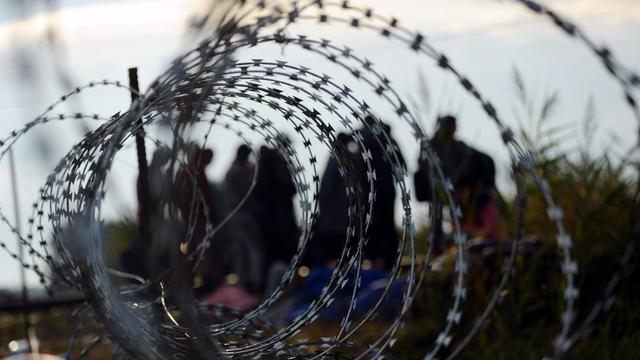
597,194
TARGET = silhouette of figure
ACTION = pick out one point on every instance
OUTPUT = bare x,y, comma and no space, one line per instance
383,238
194,194
135,259
237,181
195,202
274,192
331,225
243,231
480,213
472,174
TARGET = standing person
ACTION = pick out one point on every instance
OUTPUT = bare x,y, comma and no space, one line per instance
194,194
273,197
476,198
247,252
197,208
472,174
135,259
383,237
331,225
239,177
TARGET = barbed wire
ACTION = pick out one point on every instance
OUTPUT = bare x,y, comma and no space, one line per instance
211,87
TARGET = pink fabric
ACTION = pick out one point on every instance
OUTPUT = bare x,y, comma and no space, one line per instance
485,223
231,296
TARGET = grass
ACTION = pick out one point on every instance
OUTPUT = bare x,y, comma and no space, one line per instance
598,195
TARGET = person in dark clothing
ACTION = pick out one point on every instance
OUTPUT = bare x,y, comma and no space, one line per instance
331,225
480,213
455,155
273,196
246,248
198,209
472,174
237,181
383,238
192,183
135,259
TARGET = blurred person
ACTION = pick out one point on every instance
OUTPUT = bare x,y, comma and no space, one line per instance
135,260
331,225
200,212
194,194
237,181
273,196
247,254
472,174
383,242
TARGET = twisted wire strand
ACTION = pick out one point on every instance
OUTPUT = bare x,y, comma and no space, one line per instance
208,86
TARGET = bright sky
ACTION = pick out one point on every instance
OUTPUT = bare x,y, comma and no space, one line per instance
485,39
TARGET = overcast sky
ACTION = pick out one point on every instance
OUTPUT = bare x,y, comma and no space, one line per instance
485,39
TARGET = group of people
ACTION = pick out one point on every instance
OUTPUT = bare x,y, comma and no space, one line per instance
249,218
470,171
240,226
330,233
